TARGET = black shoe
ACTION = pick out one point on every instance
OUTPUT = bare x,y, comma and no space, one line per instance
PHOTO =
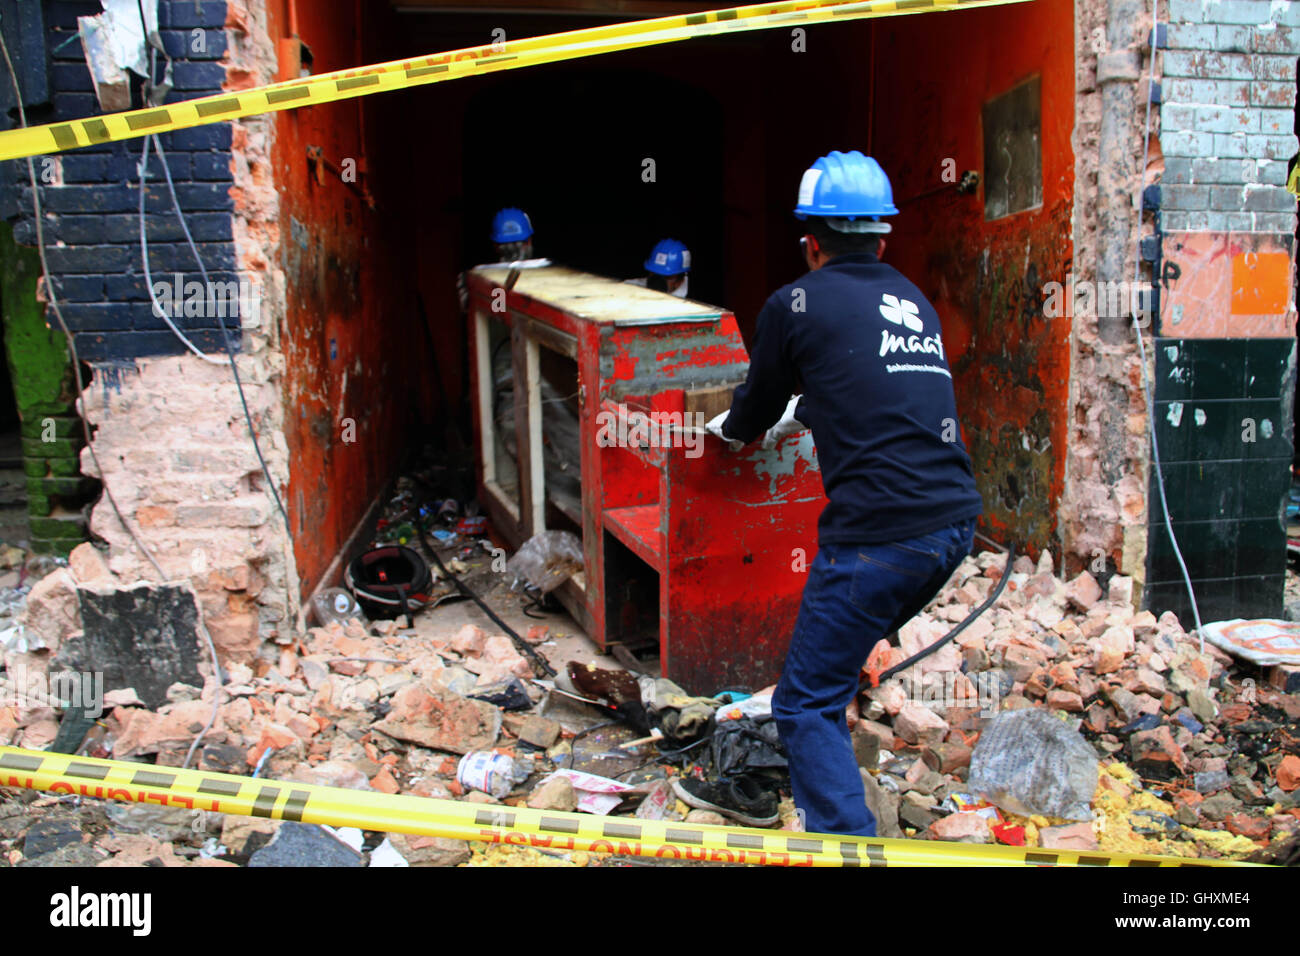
740,798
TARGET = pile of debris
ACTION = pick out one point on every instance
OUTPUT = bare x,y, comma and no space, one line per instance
1190,759
1058,718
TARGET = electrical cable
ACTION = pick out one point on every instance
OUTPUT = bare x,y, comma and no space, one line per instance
537,659
158,308
1142,352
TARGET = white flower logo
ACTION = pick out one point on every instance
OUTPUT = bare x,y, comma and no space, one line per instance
900,312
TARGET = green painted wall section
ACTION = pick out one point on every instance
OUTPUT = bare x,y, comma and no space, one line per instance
44,392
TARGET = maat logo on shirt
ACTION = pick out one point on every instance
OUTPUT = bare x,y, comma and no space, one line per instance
900,312
904,312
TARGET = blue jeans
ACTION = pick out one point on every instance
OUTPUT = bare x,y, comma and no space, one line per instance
855,595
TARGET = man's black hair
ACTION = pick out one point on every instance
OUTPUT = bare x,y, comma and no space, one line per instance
835,243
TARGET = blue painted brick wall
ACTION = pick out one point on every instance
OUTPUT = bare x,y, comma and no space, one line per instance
92,227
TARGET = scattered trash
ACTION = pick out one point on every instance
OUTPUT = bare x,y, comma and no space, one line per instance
597,795
1029,762
508,695
389,581
335,604
492,773
547,560
742,798
1262,641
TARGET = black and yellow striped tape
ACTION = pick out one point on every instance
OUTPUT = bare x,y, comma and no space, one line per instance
471,61
307,803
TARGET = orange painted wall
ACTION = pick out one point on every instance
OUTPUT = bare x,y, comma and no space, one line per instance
908,89
355,355
1010,362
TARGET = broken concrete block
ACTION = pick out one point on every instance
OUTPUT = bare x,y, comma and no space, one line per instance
305,844
87,564
430,850
244,835
883,806
1076,836
1288,773
143,637
1065,700
1023,661
961,828
707,817
1120,591
53,611
554,793
469,640
1149,682
916,723
1083,592
540,732
441,720
946,757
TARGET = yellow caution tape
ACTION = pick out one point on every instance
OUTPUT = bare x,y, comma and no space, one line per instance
471,61
553,830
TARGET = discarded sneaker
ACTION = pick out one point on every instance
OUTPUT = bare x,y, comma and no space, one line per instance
740,798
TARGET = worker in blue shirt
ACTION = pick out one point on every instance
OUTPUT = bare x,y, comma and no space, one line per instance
877,393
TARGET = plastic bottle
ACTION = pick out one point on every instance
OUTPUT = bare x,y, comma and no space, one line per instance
492,773
335,604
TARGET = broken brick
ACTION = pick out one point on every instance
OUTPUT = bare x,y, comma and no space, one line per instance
441,720
961,828
916,723
1156,749
1076,836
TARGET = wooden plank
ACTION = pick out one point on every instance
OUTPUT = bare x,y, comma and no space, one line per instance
600,299
710,402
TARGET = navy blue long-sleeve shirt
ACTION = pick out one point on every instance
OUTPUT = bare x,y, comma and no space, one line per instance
877,395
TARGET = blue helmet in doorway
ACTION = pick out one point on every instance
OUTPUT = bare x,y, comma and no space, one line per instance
669,257
511,225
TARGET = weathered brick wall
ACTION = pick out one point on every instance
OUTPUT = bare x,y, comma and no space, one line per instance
1104,505
169,429
91,195
1228,115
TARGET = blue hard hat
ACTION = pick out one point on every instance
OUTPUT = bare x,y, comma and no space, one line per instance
511,225
669,258
845,186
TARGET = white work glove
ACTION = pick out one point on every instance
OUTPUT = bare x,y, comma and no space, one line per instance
788,425
714,427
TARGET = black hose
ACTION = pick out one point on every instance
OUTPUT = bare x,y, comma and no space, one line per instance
865,683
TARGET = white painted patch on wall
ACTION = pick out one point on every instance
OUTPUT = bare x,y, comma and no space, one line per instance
1199,415
1266,428
1175,415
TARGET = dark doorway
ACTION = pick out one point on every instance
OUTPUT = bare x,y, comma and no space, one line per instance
605,163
